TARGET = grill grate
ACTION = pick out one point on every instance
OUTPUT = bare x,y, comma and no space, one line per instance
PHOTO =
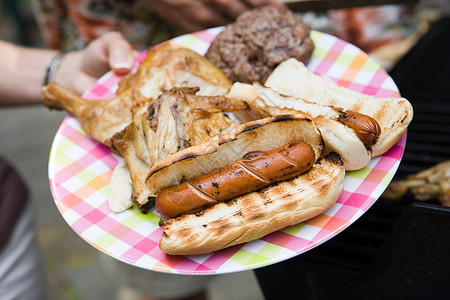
352,251
423,77
428,137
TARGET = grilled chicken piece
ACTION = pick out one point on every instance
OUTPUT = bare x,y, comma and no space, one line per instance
176,120
163,68
101,119
429,184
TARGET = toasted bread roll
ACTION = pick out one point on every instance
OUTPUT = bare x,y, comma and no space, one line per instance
337,137
393,114
260,135
256,214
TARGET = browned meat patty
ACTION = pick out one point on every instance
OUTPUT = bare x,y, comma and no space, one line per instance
250,48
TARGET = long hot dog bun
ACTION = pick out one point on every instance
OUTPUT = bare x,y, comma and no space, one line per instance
260,135
337,137
256,214
393,114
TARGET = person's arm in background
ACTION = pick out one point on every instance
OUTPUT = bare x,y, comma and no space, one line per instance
22,70
194,15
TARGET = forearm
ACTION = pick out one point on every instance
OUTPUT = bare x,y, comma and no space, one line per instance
22,70
22,73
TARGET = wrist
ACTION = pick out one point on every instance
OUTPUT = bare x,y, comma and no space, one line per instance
52,67
67,70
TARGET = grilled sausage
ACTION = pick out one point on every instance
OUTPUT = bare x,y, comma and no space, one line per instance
365,127
254,171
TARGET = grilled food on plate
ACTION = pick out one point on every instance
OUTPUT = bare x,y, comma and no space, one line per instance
227,164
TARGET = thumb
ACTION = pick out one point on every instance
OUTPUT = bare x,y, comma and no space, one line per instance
119,52
110,51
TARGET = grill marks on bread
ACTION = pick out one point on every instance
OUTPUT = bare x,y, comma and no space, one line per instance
256,214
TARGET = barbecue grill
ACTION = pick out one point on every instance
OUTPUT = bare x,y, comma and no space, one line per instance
395,250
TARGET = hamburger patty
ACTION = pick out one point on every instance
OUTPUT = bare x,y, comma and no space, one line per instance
260,39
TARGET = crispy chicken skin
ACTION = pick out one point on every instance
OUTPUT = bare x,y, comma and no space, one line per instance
166,66
178,119
101,119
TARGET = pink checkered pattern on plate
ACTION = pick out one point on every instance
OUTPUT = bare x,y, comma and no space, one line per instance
80,170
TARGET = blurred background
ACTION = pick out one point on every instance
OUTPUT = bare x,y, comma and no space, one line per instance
26,136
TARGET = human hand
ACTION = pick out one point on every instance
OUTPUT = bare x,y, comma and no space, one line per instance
194,15
79,70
